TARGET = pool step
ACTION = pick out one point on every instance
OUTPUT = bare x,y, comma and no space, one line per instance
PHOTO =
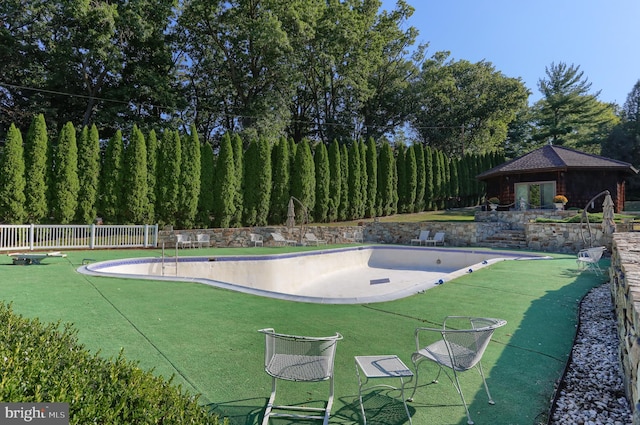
506,239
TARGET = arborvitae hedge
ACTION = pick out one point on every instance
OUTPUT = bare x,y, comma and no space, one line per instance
36,157
335,182
109,199
99,391
321,161
88,174
280,182
65,184
134,180
12,182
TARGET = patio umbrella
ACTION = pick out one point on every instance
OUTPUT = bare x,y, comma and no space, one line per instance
291,214
608,223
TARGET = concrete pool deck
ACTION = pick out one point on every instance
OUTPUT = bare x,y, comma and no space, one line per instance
353,275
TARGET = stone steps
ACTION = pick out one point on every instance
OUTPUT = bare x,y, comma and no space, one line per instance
506,239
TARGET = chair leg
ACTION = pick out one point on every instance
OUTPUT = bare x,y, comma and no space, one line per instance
267,411
484,381
456,384
415,384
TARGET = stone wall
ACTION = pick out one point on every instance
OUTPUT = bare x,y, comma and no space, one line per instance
549,237
517,219
625,279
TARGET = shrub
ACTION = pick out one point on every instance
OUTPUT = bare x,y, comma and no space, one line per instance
45,363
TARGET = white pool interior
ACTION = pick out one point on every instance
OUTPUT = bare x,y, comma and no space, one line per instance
338,276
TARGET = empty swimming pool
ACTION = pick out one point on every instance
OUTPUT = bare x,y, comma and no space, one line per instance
334,276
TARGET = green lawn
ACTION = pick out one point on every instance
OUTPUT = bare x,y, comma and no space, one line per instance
206,337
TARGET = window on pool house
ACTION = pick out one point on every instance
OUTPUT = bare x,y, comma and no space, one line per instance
535,194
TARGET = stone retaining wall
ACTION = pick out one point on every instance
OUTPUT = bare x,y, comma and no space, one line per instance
548,237
625,279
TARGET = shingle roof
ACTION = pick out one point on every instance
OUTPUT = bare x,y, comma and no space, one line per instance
556,158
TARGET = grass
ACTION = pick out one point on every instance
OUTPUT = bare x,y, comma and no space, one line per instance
206,337
460,214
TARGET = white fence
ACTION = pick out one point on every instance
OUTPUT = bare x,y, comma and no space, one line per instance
42,237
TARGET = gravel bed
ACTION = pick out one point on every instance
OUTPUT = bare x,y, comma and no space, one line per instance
592,392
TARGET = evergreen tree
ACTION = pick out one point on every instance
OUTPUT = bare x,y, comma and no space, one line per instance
65,176
190,180
205,200
264,181
152,161
36,151
437,179
372,177
168,177
225,185
402,178
411,179
134,180
421,175
303,181
454,183
343,207
110,180
323,177
463,180
88,174
335,181
429,188
257,182
355,182
280,179
364,192
386,183
12,179
238,159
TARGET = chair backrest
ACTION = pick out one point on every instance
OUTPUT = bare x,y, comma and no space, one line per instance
182,238
202,237
299,358
467,345
439,237
256,237
424,235
310,236
277,237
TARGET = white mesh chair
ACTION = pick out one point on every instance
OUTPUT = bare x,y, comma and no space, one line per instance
438,238
183,241
589,258
463,340
313,239
299,359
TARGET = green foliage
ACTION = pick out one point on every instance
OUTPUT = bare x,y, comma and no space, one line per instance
238,160
429,189
421,177
371,163
303,180
152,162
134,180
65,184
168,177
225,185
356,204
280,182
323,177
257,183
335,181
343,207
387,191
190,180
35,153
205,199
59,369
88,174
12,181
110,180
568,114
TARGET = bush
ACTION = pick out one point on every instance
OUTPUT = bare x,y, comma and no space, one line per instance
45,363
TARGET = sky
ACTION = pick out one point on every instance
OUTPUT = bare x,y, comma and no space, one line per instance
522,38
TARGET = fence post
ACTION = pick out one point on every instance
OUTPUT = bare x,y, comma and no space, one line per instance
92,236
146,235
32,236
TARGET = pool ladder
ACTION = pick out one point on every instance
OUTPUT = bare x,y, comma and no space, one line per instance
169,264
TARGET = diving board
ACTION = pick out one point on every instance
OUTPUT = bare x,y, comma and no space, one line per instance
26,258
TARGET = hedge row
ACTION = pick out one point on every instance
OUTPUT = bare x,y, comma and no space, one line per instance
45,363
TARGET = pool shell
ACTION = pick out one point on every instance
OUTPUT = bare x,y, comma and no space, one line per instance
350,275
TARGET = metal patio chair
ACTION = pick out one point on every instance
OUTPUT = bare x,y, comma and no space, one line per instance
299,359
589,258
462,344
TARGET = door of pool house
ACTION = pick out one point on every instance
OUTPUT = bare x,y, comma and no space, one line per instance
535,194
